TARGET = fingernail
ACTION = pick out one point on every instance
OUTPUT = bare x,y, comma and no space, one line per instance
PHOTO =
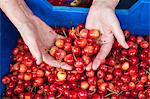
126,45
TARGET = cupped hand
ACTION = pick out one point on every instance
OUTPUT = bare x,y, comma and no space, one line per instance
36,34
103,18
41,38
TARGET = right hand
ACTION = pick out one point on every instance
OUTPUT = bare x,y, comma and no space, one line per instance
36,34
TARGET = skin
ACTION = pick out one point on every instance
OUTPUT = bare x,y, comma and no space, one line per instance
39,36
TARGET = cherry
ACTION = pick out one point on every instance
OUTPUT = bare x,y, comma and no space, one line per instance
86,59
133,70
103,87
53,50
15,51
27,95
80,42
79,70
134,78
76,50
93,33
69,59
60,54
132,38
124,52
103,67
125,66
96,48
61,75
144,44
71,78
60,43
9,93
72,33
132,51
90,73
119,83
89,50
125,79
139,39
38,96
83,33
38,81
80,26
100,74
126,33
27,76
84,85
79,63
39,73
92,80
111,61
108,77
140,86
117,72
51,78
141,95
67,46
82,94
53,87
6,80
96,96
18,89
11,85
134,93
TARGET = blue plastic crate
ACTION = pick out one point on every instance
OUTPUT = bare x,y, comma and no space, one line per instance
136,19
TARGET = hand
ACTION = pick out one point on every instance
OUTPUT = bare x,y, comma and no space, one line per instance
36,34
102,17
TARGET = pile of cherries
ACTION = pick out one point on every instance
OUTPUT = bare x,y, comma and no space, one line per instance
125,74
78,48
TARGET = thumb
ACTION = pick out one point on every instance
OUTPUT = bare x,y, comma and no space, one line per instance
117,31
105,49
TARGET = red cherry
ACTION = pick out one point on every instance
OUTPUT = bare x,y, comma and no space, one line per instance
90,73
103,67
111,61
18,89
79,62
100,74
125,79
60,43
133,60
140,86
69,59
82,94
133,70
60,54
117,72
132,51
93,33
6,80
79,70
83,33
53,50
80,42
139,39
86,59
27,76
67,46
89,50
76,50
9,93
132,38
108,77
73,33
144,44
73,95
126,33
71,77
119,83
15,51
38,81
80,26
103,87
96,96
39,73
53,87
92,80
51,78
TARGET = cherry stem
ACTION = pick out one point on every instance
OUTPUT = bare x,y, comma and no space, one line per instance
74,57
112,91
108,94
92,92
120,93
58,96
147,72
64,33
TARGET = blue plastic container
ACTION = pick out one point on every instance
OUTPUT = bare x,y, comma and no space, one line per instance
136,19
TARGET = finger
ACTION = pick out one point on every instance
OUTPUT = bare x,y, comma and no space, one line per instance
34,49
52,62
117,31
105,49
89,66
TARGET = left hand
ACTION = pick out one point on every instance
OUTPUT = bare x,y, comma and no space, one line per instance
102,17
